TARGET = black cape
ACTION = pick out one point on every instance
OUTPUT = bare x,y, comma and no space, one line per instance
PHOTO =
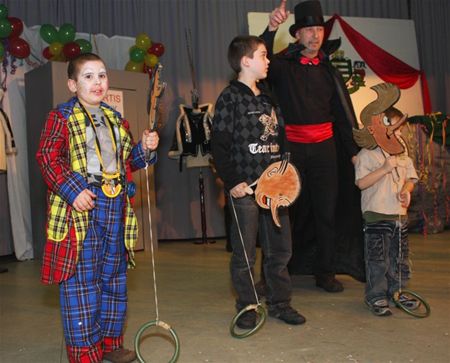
349,223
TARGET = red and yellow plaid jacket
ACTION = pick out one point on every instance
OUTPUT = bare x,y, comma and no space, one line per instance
62,160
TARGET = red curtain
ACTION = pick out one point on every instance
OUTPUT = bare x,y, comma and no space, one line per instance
385,65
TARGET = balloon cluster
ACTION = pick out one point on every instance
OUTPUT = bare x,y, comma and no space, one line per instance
10,41
62,43
144,55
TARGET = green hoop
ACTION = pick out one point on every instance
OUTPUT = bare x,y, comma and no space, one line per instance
260,311
164,326
411,312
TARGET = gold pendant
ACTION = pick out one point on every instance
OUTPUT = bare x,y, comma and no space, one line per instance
111,185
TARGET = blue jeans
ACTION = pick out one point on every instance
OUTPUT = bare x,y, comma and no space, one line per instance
382,260
255,222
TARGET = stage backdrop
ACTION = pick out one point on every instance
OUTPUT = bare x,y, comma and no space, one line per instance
178,200
175,219
395,36
389,45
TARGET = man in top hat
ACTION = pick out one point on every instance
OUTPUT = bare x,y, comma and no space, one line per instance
319,118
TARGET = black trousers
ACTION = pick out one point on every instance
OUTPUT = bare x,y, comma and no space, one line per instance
313,216
253,221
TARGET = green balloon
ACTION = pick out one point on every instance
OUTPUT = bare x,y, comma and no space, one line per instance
3,11
5,28
85,45
49,33
137,54
66,33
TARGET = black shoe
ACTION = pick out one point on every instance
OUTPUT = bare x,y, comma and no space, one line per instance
120,355
247,320
329,284
287,314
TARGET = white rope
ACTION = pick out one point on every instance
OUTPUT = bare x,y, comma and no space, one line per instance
400,255
151,243
245,252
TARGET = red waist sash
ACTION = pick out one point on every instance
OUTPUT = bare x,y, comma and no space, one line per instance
309,134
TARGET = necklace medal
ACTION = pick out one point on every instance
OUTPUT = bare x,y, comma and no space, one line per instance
111,185
111,182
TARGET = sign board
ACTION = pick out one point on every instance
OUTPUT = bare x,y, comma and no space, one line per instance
114,98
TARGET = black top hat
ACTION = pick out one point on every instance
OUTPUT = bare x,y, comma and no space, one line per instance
307,13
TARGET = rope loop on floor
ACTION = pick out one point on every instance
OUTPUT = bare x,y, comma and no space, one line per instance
261,319
423,310
161,324
156,322
260,311
402,296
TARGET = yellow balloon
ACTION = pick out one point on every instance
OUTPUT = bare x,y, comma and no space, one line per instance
58,58
134,67
143,41
55,48
151,60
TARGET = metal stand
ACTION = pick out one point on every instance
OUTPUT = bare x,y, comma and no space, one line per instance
201,187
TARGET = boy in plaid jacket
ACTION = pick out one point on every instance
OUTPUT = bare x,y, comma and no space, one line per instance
86,155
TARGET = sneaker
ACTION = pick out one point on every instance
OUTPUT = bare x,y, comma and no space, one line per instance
329,284
120,355
247,320
379,307
409,302
287,314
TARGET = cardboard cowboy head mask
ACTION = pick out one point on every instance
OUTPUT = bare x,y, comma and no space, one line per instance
381,121
278,186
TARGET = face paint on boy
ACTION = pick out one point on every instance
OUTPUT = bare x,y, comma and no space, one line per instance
92,84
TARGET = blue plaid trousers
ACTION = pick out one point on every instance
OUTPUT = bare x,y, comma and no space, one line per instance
94,300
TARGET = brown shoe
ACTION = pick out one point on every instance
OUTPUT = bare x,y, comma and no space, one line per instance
329,284
120,355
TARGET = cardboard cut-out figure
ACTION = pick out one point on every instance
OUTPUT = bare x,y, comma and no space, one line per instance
379,130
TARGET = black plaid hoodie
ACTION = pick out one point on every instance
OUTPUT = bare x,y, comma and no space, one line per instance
246,135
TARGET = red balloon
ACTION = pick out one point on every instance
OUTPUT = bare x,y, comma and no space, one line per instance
46,53
19,48
16,26
71,50
156,49
148,70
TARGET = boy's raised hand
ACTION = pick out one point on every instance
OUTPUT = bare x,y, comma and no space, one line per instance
278,16
390,163
150,140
